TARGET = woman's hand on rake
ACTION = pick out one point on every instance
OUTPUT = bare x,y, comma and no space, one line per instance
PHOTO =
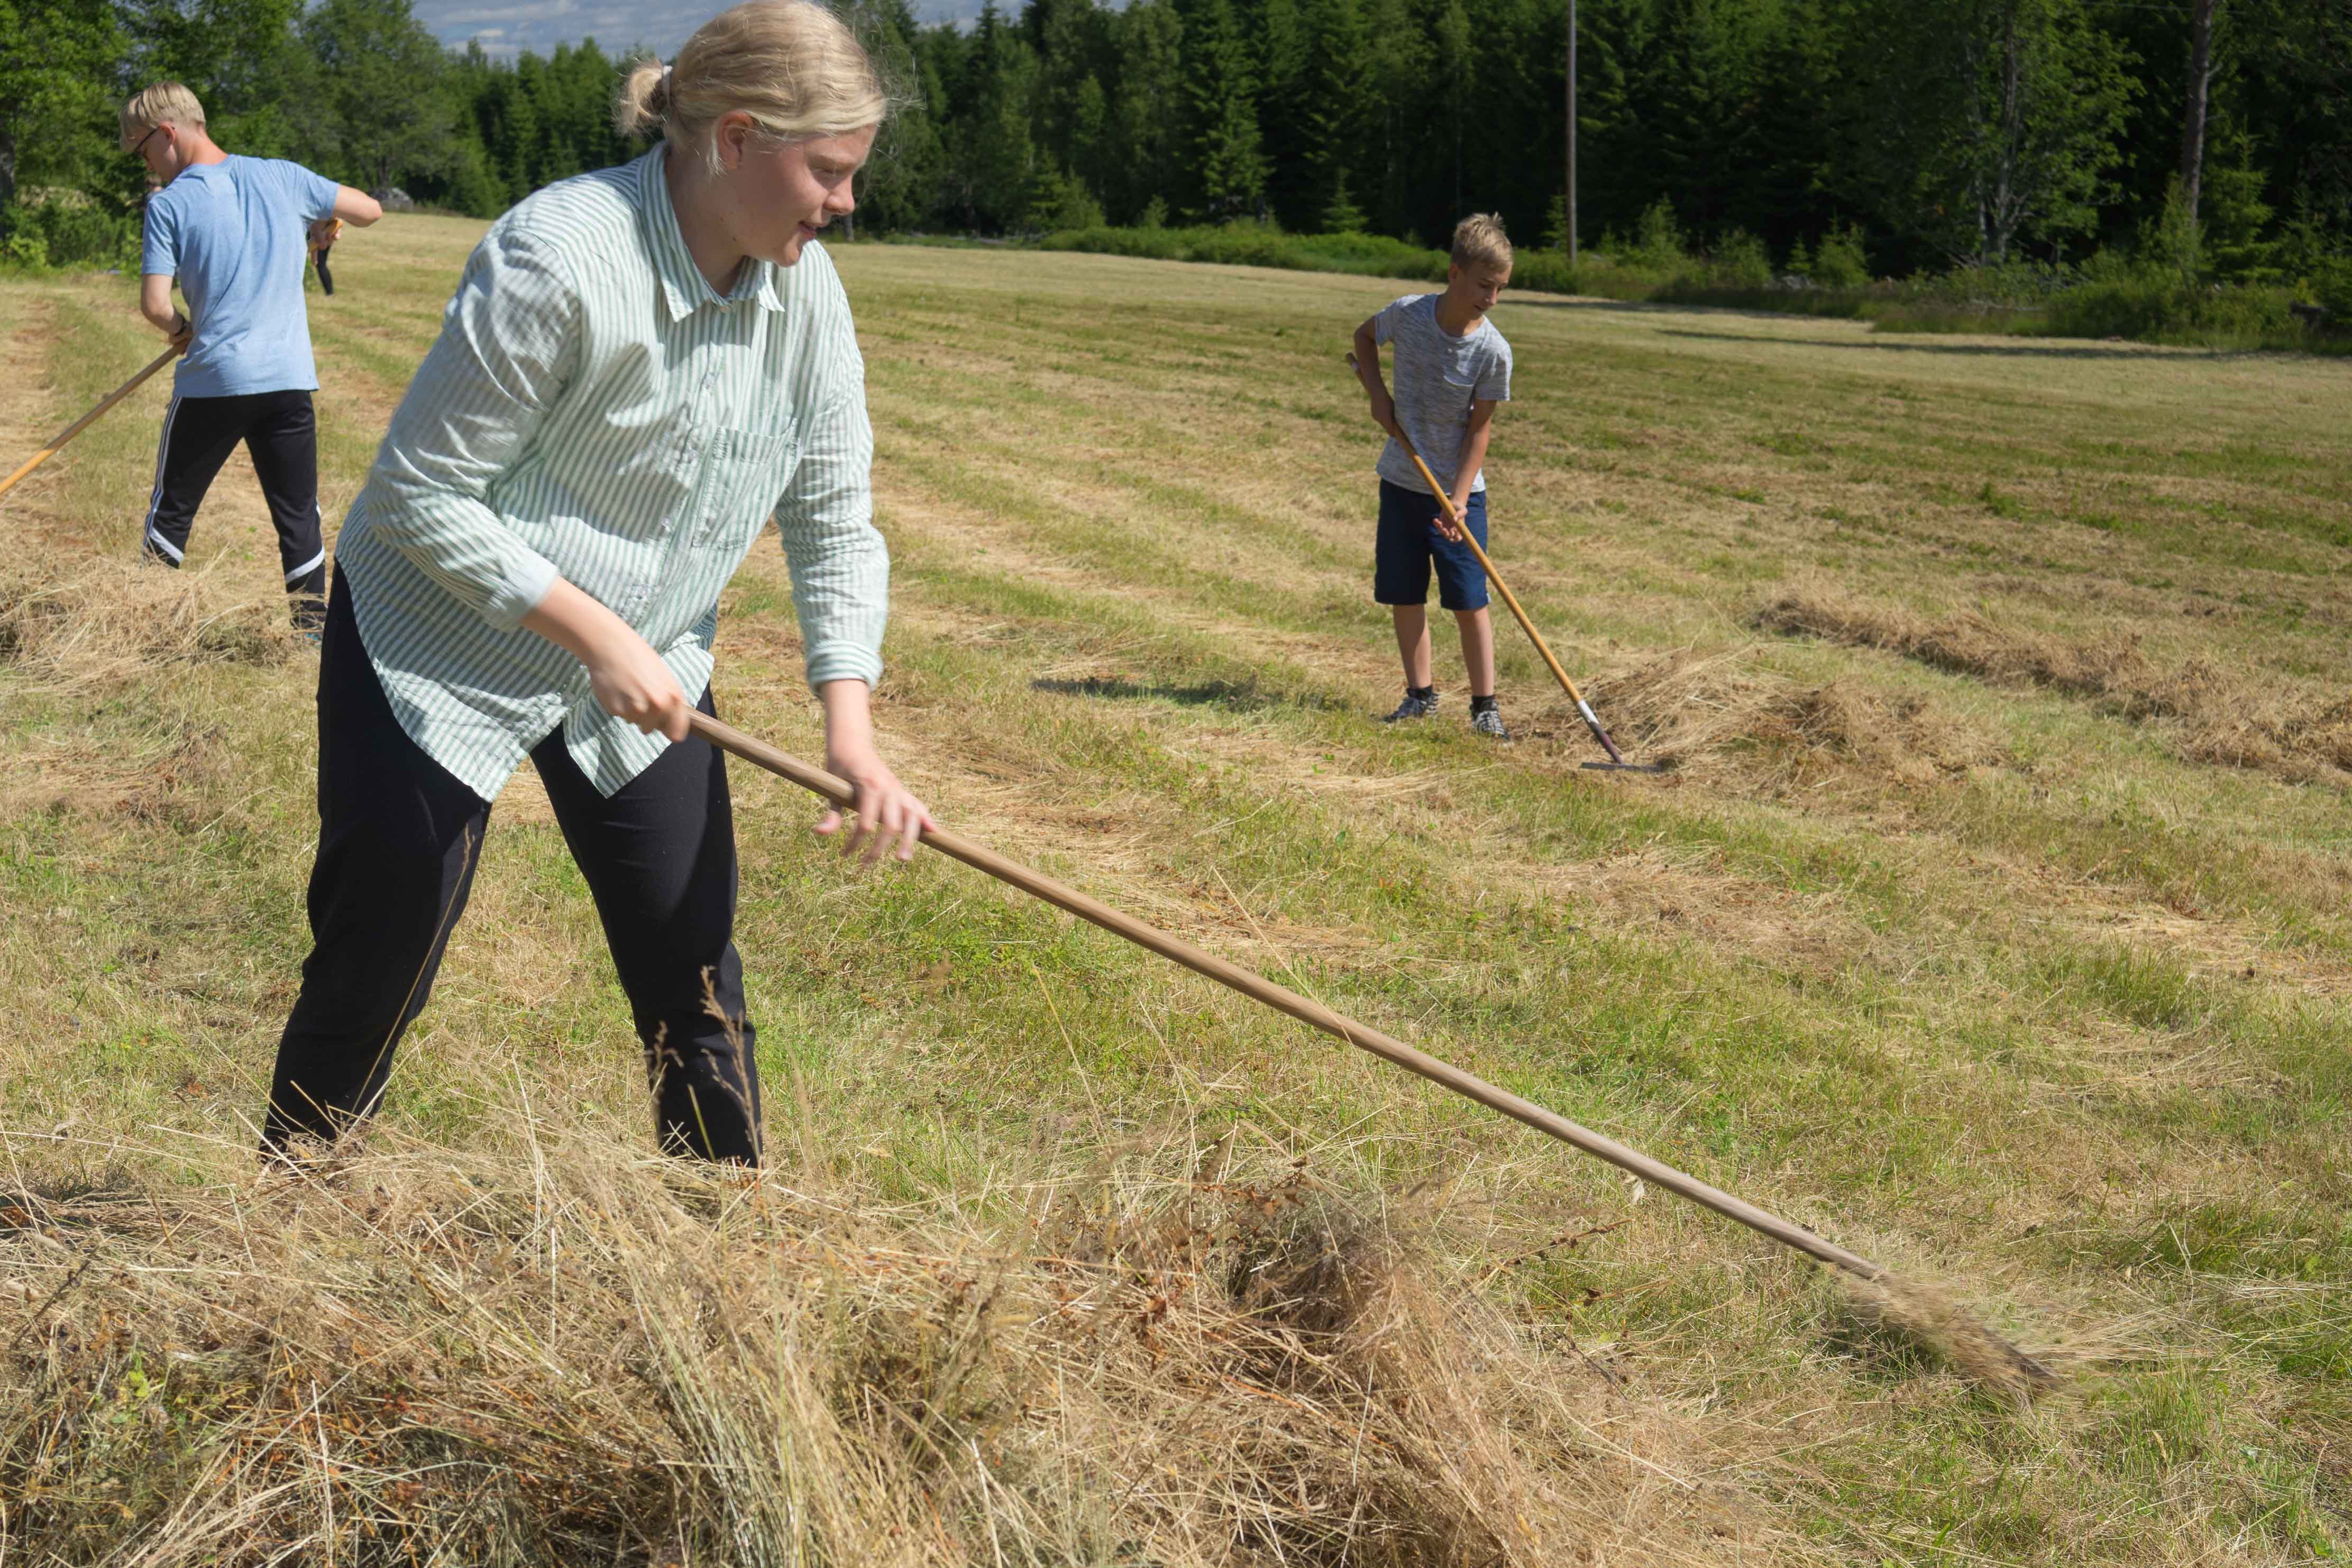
631,683
885,812
629,678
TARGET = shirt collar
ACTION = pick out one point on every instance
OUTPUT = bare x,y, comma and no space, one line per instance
684,289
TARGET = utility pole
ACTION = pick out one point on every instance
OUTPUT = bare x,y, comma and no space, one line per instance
1569,213
2192,129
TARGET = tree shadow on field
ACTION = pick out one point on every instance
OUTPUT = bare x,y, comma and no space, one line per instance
2023,349
1234,696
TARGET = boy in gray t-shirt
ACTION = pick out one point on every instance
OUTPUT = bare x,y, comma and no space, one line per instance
1452,369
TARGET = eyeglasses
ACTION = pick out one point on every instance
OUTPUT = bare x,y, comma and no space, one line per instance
141,142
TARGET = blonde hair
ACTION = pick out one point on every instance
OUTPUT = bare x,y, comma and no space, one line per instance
151,107
794,66
1480,237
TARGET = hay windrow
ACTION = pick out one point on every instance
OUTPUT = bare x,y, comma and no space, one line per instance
602,1359
107,622
1776,734
2209,714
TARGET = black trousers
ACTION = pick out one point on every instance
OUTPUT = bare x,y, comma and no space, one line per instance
399,838
281,433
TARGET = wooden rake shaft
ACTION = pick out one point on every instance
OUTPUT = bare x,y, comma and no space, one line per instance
1446,504
1363,1036
86,421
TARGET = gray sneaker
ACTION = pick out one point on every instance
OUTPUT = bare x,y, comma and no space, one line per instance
1413,707
1488,722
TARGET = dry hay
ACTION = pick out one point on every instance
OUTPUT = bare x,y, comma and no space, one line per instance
1682,710
109,623
100,631
583,1356
1967,644
2210,716
172,779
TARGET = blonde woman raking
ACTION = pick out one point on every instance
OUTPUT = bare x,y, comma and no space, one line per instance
638,369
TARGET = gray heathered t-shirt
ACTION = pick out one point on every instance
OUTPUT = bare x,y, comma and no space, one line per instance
1435,378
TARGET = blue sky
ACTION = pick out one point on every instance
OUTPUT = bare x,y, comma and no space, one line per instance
507,28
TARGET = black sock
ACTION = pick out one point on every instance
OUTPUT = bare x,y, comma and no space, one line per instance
1481,704
1423,692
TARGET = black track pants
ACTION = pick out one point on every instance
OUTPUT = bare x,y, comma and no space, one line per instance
282,434
399,838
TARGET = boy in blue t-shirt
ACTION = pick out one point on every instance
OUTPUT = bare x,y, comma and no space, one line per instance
1452,369
233,232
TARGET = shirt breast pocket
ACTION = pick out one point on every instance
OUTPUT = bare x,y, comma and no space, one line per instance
744,472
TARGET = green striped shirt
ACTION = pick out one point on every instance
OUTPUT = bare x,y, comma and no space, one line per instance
593,409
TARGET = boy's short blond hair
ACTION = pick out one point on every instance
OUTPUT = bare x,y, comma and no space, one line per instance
1480,237
151,107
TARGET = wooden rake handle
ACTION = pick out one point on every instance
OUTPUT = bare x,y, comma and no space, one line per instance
84,423
1446,504
1305,1010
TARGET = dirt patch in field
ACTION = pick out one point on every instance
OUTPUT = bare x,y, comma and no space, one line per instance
2211,714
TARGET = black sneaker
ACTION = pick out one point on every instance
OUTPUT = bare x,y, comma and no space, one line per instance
1416,705
1488,722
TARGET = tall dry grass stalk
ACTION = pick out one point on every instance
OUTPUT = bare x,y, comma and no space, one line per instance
572,1352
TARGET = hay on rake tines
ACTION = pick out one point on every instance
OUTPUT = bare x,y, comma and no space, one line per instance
1925,1319
2210,714
579,1355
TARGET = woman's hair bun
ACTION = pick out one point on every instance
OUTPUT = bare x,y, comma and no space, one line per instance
791,65
642,105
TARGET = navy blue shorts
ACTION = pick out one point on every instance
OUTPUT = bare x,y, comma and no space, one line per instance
1410,540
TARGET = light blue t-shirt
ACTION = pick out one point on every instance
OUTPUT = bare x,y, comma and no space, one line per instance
1438,377
235,233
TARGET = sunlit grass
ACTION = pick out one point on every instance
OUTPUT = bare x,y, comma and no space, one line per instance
1980,977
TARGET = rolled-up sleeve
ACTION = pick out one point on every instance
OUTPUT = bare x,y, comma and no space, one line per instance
840,566
508,344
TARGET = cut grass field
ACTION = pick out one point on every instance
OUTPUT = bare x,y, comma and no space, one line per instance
1992,923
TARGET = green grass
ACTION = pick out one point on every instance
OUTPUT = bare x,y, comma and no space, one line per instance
2061,1026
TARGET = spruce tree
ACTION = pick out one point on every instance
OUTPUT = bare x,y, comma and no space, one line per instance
1338,101
1147,114
1286,113
1228,158
993,140
1399,109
